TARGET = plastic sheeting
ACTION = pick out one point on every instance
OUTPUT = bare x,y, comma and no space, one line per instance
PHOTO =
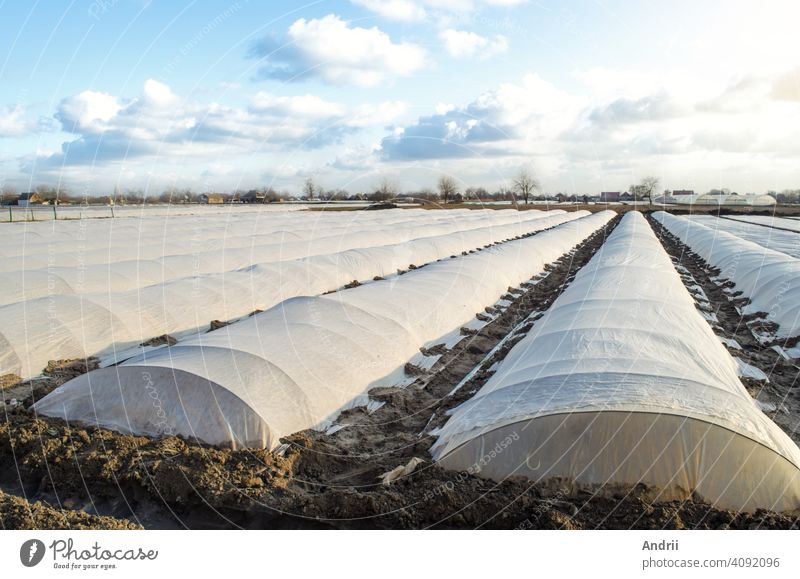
770,279
769,221
133,254
116,239
751,200
300,363
786,242
622,382
43,213
108,324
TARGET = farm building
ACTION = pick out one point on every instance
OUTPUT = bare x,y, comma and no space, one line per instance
26,199
254,196
609,196
212,198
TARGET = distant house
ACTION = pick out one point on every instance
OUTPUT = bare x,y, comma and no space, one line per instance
609,196
26,199
683,192
626,197
254,196
212,198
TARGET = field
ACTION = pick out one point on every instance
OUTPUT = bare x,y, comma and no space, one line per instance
477,367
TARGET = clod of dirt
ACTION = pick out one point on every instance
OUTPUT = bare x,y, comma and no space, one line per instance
8,380
69,369
17,513
165,340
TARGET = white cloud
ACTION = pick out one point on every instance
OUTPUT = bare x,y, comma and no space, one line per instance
13,122
88,111
311,108
158,94
371,115
335,52
304,106
444,108
406,10
160,126
744,133
416,10
465,44
360,159
787,86
511,120
735,137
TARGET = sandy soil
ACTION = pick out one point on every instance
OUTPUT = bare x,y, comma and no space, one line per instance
330,480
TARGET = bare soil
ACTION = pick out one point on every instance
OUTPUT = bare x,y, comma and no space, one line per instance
17,513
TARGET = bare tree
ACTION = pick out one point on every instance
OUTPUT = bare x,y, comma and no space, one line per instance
447,187
309,187
476,193
505,194
385,190
270,195
134,197
338,194
525,184
8,193
648,185
170,195
426,193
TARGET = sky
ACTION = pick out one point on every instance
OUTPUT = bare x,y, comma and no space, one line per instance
589,96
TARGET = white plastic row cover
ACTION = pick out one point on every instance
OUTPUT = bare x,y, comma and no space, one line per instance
770,279
787,242
38,217
303,361
91,266
769,221
622,382
146,238
109,323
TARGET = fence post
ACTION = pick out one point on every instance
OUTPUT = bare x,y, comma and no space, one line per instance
55,216
112,212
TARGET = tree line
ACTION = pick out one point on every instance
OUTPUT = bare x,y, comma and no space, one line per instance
523,187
